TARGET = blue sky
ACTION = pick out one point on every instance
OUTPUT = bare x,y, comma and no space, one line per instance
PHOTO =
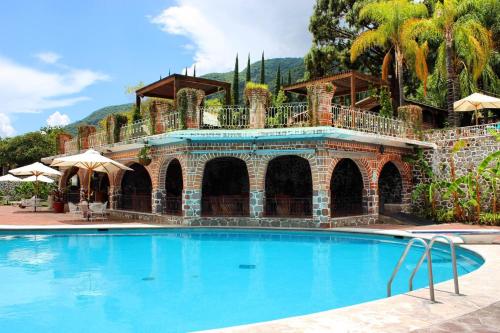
61,59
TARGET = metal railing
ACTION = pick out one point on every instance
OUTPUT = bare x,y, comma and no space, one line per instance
230,117
365,121
467,132
173,206
426,254
71,146
225,206
138,129
136,202
429,258
288,207
98,139
287,115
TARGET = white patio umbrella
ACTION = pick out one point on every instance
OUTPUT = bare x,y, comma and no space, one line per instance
10,178
90,160
36,169
42,179
476,102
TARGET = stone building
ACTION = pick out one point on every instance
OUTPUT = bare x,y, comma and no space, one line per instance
309,164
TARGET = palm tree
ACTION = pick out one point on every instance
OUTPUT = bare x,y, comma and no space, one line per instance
464,43
389,16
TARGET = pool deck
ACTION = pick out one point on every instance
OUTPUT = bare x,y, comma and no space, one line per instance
477,309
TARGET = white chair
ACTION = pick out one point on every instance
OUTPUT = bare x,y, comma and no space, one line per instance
75,210
97,211
31,203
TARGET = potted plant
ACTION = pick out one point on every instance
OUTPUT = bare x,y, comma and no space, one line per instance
144,156
58,204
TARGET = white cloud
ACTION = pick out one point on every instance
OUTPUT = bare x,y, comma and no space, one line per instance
277,27
48,57
6,128
58,119
28,90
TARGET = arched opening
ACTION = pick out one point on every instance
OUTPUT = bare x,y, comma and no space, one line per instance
346,189
136,190
100,187
390,186
288,187
72,186
173,189
225,188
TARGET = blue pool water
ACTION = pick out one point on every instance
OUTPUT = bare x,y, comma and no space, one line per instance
194,279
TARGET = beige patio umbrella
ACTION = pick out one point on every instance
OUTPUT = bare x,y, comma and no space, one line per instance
42,179
475,102
10,178
90,160
36,169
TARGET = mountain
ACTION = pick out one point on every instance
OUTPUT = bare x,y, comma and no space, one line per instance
95,117
296,66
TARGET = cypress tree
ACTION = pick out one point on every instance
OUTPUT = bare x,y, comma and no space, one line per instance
262,70
194,71
186,72
278,81
169,72
236,81
249,76
289,77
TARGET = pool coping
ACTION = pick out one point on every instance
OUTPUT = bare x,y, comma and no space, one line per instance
400,313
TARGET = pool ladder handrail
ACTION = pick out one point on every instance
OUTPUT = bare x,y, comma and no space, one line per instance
402,259
429,258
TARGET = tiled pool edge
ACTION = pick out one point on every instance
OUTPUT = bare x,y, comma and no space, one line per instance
401,313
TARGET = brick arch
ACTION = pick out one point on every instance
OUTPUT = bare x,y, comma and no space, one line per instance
194,179
116,178
64,178
263,164
405,170
162,167
363,167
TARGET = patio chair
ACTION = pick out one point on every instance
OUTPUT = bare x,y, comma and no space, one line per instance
30,203
75,210
97,211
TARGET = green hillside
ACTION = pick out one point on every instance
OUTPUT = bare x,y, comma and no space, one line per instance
296,66
96,116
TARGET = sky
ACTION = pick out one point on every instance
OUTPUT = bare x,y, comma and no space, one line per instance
60,60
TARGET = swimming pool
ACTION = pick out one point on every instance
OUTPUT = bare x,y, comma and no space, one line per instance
178,280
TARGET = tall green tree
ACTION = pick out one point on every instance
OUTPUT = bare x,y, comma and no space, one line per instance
289,81
236,83
194,71
277,86
465,45
249,75
262,70
389,16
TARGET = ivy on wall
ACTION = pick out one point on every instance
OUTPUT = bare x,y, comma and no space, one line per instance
188,100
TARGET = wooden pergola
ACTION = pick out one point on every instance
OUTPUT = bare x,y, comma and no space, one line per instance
168,87
347,84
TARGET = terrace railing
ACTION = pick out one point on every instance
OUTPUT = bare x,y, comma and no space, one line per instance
170,121
365,121
71,146
230,117
225,205
287,115
173,206
98,139
288,207
136,130
467,132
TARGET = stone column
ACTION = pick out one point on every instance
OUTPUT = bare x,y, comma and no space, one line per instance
114,197
258,99
83,135
256,204
321,206
61,139
188,101
157,200
319,99
191,204
370,195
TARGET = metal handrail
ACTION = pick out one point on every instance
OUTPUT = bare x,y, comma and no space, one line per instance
402,259
453,261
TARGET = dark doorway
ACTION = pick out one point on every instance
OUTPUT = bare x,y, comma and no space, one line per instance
390,186
225,188
100,187
288,187
173,189
136,190
346,188
72,186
